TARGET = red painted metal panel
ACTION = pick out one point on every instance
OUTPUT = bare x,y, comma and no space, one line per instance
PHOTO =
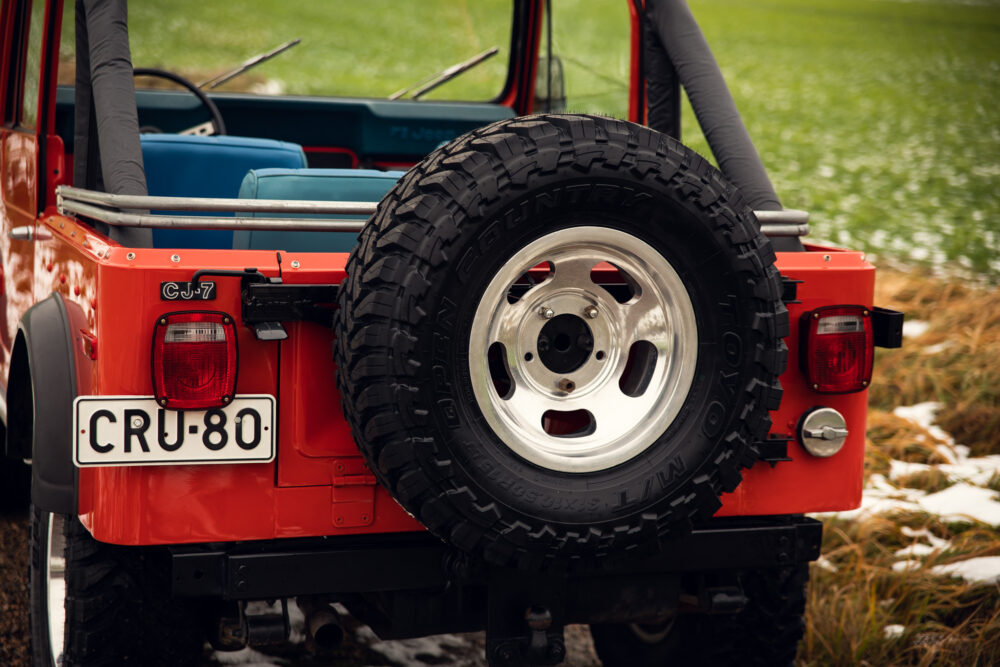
807,483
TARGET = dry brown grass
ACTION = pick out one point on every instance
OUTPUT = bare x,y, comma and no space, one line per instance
955,361
945,620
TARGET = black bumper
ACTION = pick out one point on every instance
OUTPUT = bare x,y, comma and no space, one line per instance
413,561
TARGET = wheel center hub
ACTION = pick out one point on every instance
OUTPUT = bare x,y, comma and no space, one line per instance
565,343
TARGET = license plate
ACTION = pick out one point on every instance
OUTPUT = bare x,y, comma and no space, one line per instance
135,431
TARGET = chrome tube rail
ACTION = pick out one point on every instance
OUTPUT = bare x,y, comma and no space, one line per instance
130,211
788,222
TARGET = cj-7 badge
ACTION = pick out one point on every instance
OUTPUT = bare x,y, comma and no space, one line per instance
203,290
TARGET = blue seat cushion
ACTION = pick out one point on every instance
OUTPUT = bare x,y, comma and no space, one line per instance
198,166
310,184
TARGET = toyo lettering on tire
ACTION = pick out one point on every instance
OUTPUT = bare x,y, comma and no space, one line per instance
559,340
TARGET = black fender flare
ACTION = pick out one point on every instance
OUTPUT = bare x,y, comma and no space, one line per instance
46,332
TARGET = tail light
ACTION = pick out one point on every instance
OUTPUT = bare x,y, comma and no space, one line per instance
837,348
194,360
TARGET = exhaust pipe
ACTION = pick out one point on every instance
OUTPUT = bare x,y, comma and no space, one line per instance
323,629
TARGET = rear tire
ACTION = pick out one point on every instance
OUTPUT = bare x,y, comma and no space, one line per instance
100,604
766,633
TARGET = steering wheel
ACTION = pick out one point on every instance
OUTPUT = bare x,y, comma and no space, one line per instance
215,126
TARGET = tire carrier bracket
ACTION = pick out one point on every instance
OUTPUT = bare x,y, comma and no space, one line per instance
353,493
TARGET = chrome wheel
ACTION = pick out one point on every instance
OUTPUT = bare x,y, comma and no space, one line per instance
577,376
55,585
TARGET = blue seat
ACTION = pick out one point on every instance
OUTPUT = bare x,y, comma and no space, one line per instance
310,184
199,166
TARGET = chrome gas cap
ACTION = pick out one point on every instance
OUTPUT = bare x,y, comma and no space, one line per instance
822,431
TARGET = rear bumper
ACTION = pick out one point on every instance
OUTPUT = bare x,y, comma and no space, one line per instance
413,561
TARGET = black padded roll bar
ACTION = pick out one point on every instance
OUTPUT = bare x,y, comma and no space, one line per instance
107,152
712,103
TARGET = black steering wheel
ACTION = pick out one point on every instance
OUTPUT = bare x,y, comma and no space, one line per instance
218,125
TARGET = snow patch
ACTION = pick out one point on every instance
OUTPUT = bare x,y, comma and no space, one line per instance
824,563
893,631
247,657
923,415
915,328
422,650
964,501
934,540
938,348
980,570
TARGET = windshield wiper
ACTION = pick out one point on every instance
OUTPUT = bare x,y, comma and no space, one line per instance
250,63
446,75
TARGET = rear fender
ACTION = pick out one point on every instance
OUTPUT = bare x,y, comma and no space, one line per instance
41,410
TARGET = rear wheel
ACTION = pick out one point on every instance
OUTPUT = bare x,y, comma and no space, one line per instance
101,604
559,340
765,633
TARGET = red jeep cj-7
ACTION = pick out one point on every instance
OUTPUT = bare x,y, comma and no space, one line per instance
553,373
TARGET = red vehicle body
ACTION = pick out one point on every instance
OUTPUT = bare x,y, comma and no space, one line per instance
319,483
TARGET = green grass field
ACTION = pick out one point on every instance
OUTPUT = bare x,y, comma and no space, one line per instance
880,117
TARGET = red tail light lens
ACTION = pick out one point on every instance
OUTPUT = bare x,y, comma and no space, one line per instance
194,360
837,349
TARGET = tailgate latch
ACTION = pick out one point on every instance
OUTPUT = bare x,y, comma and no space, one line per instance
353,493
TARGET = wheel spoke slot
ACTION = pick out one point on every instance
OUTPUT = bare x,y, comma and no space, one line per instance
500,371
530,278
638,369
568,423
616,282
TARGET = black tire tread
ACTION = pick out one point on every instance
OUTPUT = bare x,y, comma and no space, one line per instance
117,604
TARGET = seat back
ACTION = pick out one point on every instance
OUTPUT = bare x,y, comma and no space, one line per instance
359,185
199,166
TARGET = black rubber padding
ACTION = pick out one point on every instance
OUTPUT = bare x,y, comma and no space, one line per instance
766,633
118,606
414,282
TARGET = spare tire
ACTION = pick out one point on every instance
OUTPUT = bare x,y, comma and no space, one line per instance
559,340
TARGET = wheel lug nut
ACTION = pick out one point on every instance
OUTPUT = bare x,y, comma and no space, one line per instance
590,312
566,385
546,312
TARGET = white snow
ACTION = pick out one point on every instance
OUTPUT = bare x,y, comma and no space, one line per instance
408,652
938,348
247,657
964,501
915,328
981,570
824,563
932,539
923,414
893,631
915,550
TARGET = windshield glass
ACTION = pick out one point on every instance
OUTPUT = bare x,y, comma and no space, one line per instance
354,48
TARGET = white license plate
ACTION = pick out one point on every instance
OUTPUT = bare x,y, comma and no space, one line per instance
135,431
